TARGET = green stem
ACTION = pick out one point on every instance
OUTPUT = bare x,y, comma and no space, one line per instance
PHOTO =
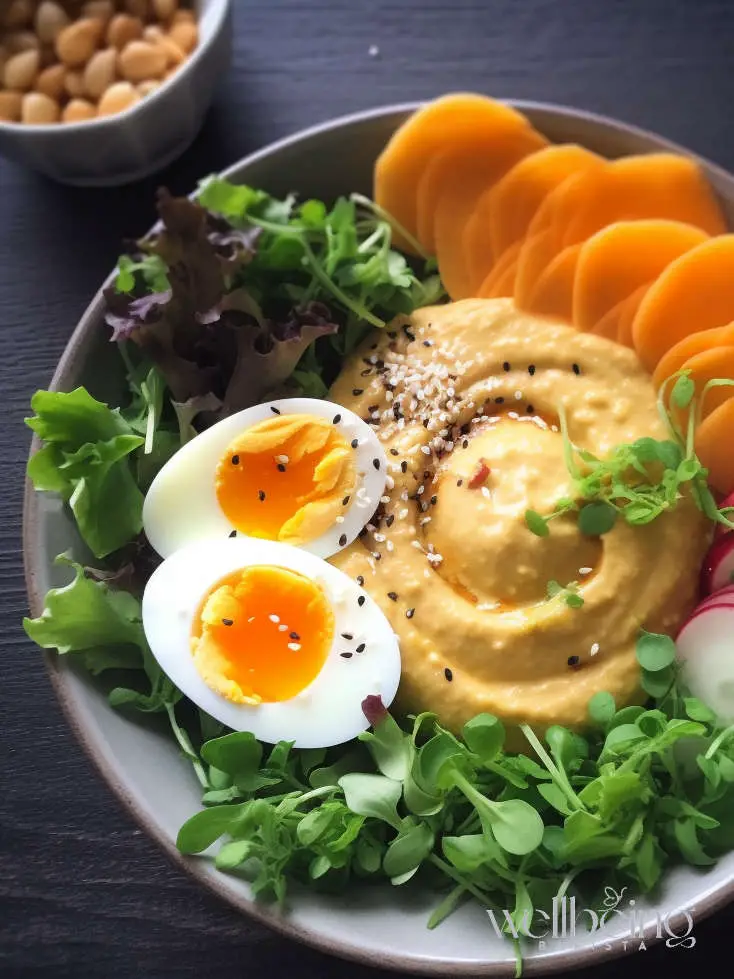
186,746
718,741
361,311
382,213
456,876
559,777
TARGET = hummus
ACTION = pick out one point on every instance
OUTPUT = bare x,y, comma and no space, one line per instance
465,398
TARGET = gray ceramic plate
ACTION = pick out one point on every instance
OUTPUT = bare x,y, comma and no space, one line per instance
379,926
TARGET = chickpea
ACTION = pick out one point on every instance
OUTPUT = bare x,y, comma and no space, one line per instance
74,84
103,10
78,110
51,82
185,34
145,88
21,41
141,60
10,106
100,72
165,9
21,70
138,8
117,98
50,19
122,29
38,109
76,43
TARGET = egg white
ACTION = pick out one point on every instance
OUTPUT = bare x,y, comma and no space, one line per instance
326,712
181,505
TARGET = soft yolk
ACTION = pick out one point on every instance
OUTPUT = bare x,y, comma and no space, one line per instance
262,634
287,478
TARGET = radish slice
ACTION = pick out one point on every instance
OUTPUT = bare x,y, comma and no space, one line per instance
706,649
718,566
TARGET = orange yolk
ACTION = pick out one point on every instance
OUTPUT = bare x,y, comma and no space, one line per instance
286,478
262,634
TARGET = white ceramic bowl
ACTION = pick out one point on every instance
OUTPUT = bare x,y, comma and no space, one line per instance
382,926
122,148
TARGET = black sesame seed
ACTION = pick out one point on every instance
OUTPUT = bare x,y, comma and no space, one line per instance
373,346
426,422
573,660
448,674
365,372
336,419
361,647
428,343
235,460
361,601
261,495
403,466
506,366
345,655
346,500
342,540
354,443
465,443
360,580
357,391
348,636
393,452
232,533
390,520
393,596
410,335
392,334
576,369
531,369
295,636
281,467
459,482
530,409
227,621
378,556
434,500
409,613
376,463
426,473
499,401
275,411
373,408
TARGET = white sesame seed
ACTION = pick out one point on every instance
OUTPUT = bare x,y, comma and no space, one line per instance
417,544
404,495
402,514
384,499
274,618
595,649
390,482
380,538
425,450
283,460
390,546
518,395
421,490
424,520
585,570
339,519
295,646
485,492
282,628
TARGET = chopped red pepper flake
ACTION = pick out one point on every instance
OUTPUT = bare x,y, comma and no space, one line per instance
480,474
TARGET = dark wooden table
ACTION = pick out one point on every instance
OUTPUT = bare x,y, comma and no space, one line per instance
83,894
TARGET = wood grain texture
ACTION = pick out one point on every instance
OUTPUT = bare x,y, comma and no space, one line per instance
83,894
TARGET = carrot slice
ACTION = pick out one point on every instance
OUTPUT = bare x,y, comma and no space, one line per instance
536,254
553,292
713,446
503,285
497,273
709,366
690,346
694,293
424,134
627,315
654,185
608,325
448,192
617,260
503,213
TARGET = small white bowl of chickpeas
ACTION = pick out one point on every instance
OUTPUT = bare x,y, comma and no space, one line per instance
104,92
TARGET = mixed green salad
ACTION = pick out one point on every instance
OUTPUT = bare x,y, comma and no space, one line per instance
240,296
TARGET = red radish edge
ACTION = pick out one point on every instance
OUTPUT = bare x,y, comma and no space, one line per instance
718,565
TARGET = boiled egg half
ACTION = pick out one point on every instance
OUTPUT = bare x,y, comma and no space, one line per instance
300,471
269,638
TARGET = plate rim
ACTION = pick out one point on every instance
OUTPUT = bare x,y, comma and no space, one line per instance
83,337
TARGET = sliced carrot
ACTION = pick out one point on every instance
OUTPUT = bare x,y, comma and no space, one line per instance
451,187
696,343
627,315
694,293
620,258
608,325
503,285
503,213
553,292
713,446
421,137
654,185
536,254
711,365
499,270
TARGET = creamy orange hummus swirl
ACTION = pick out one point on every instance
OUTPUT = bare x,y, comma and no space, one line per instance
474,386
